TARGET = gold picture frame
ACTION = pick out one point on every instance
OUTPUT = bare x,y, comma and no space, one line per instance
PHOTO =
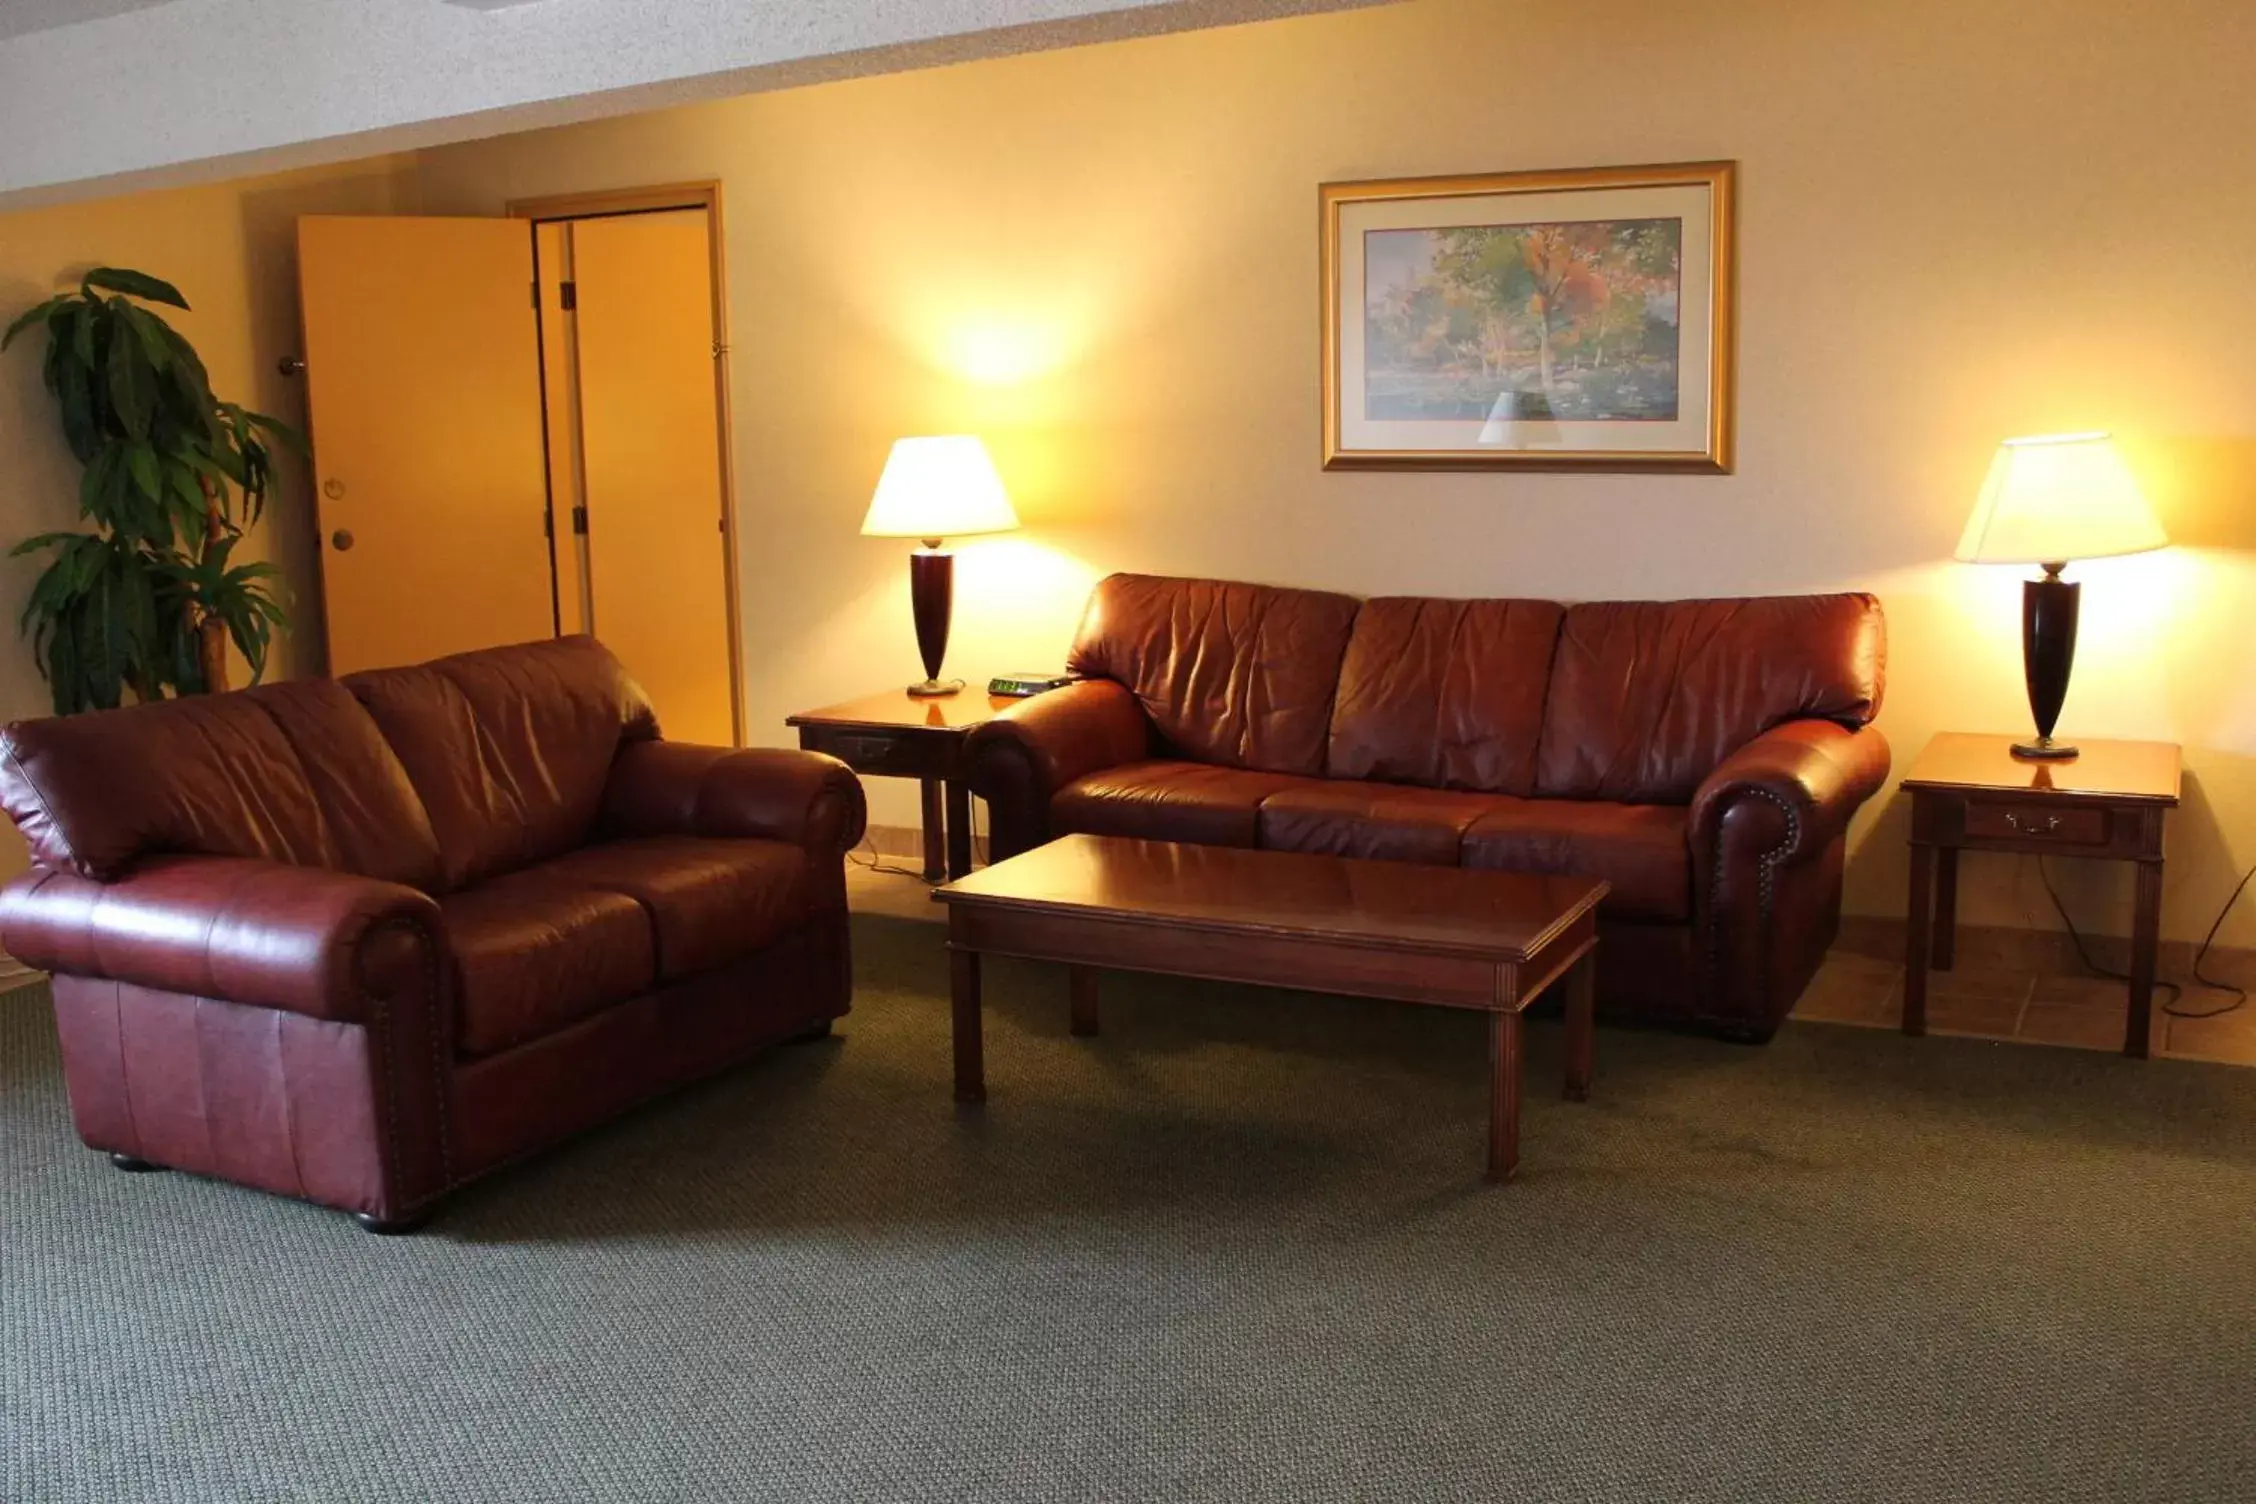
1556,320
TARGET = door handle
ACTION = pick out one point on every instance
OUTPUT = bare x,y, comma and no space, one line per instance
341,540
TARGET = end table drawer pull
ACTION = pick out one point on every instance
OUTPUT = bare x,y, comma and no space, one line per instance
2082,826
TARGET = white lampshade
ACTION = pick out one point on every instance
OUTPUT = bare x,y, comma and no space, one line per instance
2056,497
940,487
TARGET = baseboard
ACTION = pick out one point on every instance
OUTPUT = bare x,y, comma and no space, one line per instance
1998,947
895,841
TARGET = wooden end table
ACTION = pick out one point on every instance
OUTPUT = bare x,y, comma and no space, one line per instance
1453,937
898,735
1970,793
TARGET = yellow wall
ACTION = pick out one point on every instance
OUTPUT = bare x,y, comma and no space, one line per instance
1961,220
230,249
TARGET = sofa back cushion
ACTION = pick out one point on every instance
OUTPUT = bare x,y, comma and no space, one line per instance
1648,697
508,747
1239,675
292,773
1444,693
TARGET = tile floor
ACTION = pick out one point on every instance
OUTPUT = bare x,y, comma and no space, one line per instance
2080,1012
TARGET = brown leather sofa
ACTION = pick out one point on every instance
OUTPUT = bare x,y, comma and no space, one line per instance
362,941
1704,757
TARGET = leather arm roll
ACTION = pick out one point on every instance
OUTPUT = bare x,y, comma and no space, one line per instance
1800,782
1066,733
1034,748
768,793
300,939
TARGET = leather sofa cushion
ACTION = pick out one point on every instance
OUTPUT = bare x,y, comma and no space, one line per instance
1240,676
1169,801
1389,821
532,956
1648,697
508,747
294,773
1639,848
1444,693
709,901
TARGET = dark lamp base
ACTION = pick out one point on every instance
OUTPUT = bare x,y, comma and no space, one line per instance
933,689
2044,749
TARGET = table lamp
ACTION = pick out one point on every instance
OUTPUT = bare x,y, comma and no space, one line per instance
935,488
2050,499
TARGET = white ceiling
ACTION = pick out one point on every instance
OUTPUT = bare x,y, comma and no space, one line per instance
105,95
20,16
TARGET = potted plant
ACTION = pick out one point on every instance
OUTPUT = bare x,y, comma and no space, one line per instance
145,605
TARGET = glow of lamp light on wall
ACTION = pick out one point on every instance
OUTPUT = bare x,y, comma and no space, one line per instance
994,352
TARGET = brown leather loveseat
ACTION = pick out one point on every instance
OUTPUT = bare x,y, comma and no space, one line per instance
1704,757
361,941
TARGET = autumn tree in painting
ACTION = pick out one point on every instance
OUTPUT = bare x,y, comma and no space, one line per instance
1572,320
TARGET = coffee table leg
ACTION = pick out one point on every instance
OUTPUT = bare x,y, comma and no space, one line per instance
1083,981
963,978
1503,1093
1582,1025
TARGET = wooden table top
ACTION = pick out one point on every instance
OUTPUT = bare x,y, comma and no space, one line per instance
897,709
1505,916
2115,770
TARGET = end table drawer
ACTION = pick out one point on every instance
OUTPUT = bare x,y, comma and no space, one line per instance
883,752
2077,825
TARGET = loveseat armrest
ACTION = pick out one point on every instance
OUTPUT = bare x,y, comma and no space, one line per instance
1034,748
300,939
1806,778
773,793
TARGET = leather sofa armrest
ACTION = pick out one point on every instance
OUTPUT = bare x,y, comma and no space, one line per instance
1802,781
1027,753
1066,733
774,793
300,939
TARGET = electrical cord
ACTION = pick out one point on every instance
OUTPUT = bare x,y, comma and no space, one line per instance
2176,990
875,861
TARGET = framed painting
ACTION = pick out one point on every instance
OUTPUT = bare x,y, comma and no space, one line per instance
1530,321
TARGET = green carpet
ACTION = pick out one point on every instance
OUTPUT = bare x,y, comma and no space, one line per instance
1236,1249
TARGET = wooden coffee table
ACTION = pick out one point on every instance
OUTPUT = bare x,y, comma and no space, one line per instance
1449,936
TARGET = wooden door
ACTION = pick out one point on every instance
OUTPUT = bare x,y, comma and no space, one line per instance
424,385
656,548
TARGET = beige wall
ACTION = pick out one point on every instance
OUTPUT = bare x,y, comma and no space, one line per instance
1960,221
230,249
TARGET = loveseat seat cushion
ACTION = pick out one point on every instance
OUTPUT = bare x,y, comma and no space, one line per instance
532,955
1640,849
1386,821
1170,801
1648,697
708,901
1240,676
509,748
1444,693
294,773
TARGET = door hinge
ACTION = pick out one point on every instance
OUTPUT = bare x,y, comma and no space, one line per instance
568,295
579,520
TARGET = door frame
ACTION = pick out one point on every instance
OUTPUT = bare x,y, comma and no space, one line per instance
658,199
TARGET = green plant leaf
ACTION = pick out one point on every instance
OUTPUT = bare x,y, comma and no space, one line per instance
75,400
32,315
136,284
149,329
82,317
